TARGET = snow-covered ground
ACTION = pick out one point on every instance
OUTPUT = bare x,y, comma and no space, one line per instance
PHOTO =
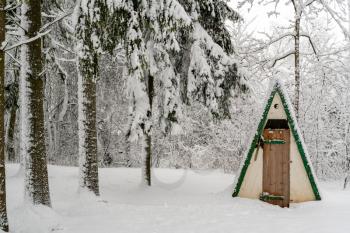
179,201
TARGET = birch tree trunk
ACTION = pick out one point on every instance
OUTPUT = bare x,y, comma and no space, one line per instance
297,65
32,107
3,213
347,178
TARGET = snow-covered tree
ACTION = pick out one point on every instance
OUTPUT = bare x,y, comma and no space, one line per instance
87,49
150,39
32,105
96,29
208,69
304,12
11,80
185,50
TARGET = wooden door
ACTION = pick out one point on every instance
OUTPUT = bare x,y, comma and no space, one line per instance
276,181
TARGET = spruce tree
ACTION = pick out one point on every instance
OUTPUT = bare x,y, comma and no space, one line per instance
150,39
208,70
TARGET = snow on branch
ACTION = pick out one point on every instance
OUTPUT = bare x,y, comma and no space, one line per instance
43,31
27,41
12,6
56,20
13,58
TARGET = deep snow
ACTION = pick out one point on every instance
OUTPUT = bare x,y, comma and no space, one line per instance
179,201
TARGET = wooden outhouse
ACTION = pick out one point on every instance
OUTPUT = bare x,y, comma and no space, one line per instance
276,167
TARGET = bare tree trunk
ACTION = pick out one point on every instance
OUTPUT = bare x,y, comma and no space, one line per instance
32,108
10,146
127,153
12,107
347,177
147,160
347,152
297,65
3,213
147,164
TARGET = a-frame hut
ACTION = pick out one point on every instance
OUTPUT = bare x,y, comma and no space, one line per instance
276,167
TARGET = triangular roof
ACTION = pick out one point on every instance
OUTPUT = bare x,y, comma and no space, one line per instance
277,88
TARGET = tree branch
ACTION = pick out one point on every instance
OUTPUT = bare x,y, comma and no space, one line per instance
312,44
283,56
335,17
272,41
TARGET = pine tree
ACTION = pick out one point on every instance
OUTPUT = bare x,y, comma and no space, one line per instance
3,213
31,106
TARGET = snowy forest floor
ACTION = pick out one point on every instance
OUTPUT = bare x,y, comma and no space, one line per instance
179,202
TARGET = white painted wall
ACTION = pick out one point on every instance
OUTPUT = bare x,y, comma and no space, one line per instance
300,186
252,183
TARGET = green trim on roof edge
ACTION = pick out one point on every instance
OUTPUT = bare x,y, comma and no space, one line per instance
254,143
302,153
292,125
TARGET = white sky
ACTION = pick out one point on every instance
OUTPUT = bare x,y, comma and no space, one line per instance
257,14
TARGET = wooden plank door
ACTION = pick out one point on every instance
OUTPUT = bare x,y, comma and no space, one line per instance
276,180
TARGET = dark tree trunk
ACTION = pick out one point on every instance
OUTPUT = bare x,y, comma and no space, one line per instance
3,213
184,67
87,130
37,185
147,163
10,146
